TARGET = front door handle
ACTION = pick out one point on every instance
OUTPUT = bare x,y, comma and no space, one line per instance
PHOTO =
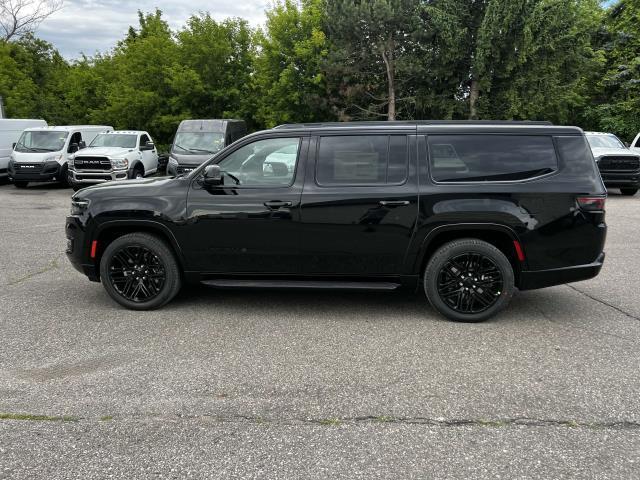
276,204
393,203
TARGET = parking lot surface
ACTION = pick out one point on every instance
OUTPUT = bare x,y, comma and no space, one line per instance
280,384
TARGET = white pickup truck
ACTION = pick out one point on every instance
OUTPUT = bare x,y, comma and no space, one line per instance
117,155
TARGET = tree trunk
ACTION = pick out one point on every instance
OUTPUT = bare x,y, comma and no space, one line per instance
389,62
473,99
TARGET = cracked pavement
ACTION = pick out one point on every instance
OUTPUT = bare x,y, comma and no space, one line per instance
257,384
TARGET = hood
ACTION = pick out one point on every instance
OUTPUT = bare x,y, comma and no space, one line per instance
34,157
127,188
192,160
103,152
618,152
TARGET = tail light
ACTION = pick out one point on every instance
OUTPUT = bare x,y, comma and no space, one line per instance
591,204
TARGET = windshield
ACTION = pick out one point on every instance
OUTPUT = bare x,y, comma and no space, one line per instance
604,141
197,143
39,141
115,140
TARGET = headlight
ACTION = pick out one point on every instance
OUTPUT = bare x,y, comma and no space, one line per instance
54,158
119,163
78,207
173,161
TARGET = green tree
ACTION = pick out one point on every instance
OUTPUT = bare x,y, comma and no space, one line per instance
289,84
375,49
616,97
215,62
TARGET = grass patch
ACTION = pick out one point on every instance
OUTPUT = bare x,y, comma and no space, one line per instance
106,418
384,419
37,418
329,421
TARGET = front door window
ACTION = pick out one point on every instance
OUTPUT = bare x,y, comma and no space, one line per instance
265,163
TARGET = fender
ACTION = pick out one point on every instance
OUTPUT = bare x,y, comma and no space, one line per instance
496,227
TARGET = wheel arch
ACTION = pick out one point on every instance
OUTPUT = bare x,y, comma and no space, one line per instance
109,231
500,236
136,163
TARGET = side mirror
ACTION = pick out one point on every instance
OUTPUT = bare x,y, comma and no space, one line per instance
82,144
150,145
73,148
213,176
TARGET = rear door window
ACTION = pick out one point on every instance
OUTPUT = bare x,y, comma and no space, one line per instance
490,158
362,160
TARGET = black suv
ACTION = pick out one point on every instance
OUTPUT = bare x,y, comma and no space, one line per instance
468,211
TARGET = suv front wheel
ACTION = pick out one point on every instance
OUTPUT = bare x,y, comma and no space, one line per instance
469,280
140,272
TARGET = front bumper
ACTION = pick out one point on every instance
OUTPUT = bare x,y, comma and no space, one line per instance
34,172
530,280
621,179
78,247
88,177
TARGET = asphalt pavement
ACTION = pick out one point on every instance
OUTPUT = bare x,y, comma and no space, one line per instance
279,384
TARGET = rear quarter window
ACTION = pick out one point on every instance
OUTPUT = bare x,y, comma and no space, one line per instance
490,158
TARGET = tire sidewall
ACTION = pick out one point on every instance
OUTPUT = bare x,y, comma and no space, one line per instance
167,259
458,247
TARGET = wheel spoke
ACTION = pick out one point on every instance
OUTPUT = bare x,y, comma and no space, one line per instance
136,273
470,282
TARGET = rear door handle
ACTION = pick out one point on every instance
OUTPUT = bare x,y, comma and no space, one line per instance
393,203
276,204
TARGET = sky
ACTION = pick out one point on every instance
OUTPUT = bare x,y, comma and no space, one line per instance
90,26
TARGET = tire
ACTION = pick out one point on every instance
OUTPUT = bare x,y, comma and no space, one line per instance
137,172
159,260
21,184
63,179
442,283
629,192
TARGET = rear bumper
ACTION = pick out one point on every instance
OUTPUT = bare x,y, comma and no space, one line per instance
91,178
32,172
530,280
621,179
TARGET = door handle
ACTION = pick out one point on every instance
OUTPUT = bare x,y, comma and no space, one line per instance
276,204
393,203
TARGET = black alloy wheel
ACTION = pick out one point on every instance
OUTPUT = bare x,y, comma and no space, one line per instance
136,273
469,280
470,283
140,271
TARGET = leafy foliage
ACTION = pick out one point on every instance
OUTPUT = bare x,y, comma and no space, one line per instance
569,61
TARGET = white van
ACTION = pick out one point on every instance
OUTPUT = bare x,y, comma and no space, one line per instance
10,131
41,154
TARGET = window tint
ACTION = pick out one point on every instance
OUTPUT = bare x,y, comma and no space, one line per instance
270,162
362,160
487,158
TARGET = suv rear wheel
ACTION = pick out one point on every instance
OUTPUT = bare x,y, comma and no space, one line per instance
469,280
140,272
629,191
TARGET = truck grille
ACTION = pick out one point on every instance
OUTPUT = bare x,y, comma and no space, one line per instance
93,164
28,167
619,163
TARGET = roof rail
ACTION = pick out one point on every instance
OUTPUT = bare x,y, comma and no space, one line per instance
408,122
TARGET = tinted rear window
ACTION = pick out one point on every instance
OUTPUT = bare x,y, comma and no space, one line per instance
362,160
490,158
